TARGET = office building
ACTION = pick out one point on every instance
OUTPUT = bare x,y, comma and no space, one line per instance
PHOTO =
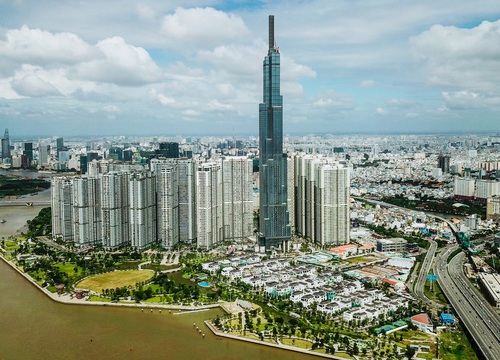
444,163
274,227
169,150
28,155
6,147
391,245
43,155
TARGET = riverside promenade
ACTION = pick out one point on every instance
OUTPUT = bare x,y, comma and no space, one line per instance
216,332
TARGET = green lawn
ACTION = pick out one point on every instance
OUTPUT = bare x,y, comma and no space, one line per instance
69,269
98,299
115,279
11,245
303,344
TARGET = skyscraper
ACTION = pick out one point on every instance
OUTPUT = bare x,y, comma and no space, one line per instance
274,227
6,145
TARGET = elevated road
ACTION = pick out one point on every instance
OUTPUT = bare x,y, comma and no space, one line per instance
418,286
482,322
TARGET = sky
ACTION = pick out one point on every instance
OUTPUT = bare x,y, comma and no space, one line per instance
194,67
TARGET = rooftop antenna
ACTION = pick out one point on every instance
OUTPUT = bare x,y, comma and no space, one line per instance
272,43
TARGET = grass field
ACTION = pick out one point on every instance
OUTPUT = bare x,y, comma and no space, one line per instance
115,279
454,345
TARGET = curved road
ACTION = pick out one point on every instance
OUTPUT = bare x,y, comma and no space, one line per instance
418,287
476,314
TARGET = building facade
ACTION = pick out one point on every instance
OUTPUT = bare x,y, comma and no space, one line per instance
274,227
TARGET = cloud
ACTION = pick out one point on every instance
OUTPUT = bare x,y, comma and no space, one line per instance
465,99
331,100
41,47
381,111
121,64
201,28
367,84
460,57
33,81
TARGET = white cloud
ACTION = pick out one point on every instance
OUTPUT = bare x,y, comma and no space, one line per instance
333,100
381,111
110,108
122,64
460,57
367,84
41,47
202,28
465,99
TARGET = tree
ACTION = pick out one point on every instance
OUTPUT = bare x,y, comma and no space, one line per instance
409,352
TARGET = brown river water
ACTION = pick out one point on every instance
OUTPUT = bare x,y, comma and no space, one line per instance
32,326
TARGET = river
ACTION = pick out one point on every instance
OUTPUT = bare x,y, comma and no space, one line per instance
32,326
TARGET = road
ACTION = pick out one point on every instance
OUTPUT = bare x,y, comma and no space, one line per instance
482,322
418,286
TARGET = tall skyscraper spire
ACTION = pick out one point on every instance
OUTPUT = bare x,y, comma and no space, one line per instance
274,226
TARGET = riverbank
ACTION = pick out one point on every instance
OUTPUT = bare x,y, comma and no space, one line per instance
217,333
68,300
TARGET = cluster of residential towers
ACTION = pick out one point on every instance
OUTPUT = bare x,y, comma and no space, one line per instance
206,203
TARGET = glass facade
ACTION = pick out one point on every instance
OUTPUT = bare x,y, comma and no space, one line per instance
274,226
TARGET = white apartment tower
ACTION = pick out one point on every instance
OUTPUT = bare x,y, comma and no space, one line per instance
142,199
463,187
209,204
62,208
186,182
322,188
237,197
332,205
167,202
115,209
86,211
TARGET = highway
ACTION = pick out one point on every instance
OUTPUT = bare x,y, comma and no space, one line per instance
418,286
475,313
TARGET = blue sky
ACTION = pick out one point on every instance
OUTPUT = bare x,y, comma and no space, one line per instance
195,67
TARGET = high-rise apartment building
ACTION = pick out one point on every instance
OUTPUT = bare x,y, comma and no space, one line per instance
237,197
62,208
167,201
274,227
321,199
332,205
115,209
176,200
209,204
87,219
142,192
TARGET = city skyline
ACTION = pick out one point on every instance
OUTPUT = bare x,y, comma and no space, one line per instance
143,69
